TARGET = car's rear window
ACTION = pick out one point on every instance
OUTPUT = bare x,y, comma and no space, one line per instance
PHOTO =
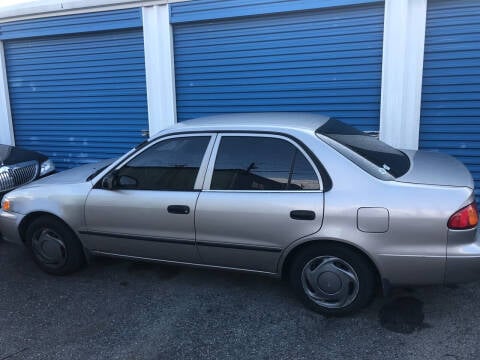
393,161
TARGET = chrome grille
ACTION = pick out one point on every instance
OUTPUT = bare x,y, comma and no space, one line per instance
12,176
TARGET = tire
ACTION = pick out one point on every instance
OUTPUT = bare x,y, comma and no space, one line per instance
54,246
332,279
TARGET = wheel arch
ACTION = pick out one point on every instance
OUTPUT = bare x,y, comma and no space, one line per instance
290,253
28,219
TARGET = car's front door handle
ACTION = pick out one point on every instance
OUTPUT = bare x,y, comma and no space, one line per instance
302,215
178,209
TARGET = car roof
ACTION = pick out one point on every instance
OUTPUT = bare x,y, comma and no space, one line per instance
275,121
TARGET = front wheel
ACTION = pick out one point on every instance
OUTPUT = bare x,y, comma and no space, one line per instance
332,279
54,246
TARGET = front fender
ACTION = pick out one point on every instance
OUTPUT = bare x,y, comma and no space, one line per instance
66,202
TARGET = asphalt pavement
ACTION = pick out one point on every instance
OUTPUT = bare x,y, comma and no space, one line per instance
117,309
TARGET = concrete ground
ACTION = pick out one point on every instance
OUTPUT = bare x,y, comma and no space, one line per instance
123,310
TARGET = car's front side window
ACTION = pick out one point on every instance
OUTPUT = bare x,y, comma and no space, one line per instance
261,163
171,164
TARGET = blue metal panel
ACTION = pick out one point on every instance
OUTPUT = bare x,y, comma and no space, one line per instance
198,10
96,21
450,115
78,98
326,61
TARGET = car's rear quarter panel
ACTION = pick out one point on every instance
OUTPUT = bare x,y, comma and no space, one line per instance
413,249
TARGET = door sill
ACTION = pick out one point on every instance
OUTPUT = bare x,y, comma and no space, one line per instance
172,262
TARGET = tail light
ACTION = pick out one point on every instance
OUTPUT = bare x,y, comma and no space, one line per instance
465,218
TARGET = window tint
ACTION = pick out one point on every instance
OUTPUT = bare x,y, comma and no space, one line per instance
171,164
261,163
303,175
387,158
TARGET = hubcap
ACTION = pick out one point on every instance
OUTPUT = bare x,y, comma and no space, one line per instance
49,248
330,281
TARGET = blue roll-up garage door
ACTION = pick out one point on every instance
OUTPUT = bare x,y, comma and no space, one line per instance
321,60
79,97
450,115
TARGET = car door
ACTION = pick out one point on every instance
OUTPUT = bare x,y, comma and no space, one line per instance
149,213
261,193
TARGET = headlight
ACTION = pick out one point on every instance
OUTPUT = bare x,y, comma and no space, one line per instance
47,167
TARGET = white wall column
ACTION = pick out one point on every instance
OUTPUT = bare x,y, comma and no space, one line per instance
402,72
159,67
6,125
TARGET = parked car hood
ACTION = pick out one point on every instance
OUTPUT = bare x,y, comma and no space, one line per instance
10,155
436,168
72,176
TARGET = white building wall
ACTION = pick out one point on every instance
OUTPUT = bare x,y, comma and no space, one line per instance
402,72
6,126
35,9
159,68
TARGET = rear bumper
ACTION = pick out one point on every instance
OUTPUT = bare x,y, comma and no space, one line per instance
9,224
463,256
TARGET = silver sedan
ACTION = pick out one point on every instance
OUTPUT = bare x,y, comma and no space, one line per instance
299,196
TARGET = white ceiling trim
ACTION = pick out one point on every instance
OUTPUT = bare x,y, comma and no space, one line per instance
47,8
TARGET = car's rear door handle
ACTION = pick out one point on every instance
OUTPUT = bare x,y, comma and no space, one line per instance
302,215
178,209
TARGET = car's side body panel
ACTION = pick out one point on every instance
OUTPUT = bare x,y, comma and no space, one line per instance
416,240
137,223
463,256
418,215
65,201
413,250
251,229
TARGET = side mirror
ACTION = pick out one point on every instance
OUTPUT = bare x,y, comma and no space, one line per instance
109,181
127,182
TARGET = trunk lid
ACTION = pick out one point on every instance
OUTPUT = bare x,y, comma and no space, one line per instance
434,168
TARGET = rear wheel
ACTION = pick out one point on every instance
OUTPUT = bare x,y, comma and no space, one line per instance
332,279
54,246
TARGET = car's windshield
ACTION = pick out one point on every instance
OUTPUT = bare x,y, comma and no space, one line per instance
393,161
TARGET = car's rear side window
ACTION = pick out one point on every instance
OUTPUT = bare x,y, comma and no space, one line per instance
391,160
261,163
